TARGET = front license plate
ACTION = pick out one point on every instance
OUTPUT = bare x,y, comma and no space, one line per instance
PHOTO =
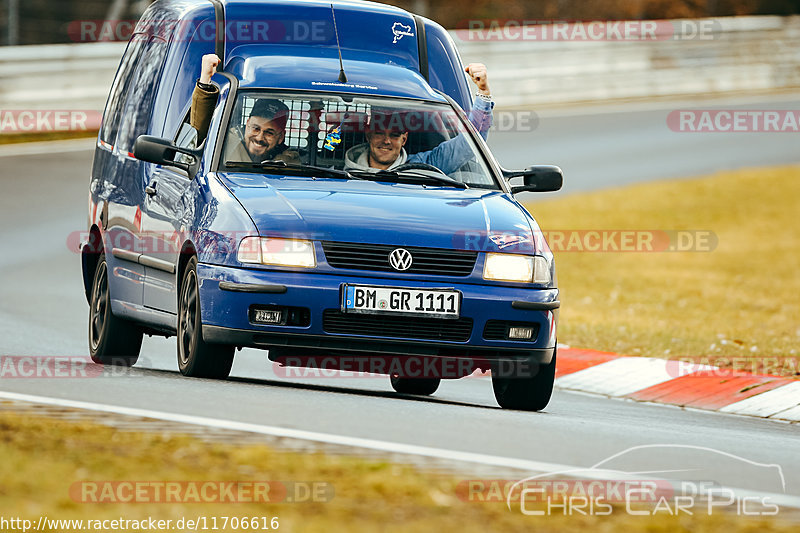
439,303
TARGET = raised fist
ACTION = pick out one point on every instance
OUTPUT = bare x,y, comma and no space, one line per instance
210,62
480,76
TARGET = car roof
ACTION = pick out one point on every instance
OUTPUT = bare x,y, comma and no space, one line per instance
272,66
378,44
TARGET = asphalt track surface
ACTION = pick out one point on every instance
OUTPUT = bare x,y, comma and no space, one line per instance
43,313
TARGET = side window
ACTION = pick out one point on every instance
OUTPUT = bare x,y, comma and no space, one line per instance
116,98
138,107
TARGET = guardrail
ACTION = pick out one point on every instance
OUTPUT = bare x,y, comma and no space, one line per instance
742,54
62,76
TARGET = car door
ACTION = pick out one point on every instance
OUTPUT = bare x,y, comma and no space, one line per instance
166,218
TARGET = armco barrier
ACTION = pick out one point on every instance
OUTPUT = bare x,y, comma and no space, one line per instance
63,76
743,54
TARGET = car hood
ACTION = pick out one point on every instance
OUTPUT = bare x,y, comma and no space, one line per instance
386,213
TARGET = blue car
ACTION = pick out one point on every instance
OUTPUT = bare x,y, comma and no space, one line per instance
423,267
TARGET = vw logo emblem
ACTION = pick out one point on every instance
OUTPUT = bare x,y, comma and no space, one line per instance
400,259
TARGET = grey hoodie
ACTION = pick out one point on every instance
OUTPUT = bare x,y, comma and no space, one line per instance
357,158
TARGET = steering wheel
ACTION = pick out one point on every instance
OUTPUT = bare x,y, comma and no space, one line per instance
417,166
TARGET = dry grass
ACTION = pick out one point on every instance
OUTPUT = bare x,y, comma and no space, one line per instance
13,138
740,300
43,457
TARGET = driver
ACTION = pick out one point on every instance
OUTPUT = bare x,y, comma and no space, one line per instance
386,137
264,131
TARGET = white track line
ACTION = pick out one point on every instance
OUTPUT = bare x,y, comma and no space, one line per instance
275,431
784,500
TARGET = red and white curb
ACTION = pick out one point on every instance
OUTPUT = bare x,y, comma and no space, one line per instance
678,383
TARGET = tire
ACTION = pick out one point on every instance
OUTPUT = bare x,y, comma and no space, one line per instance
112,340
417,386
196,358
526,393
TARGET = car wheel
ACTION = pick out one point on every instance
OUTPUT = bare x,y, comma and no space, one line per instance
526,393
112,340
418,386
196,358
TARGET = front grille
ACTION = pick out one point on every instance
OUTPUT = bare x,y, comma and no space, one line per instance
397,327
435,261
497,330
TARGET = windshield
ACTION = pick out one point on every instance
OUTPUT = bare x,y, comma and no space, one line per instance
382,139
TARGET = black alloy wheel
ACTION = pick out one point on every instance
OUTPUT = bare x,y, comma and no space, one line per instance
196,358
112,340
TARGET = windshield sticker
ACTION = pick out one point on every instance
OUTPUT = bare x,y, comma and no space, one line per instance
348,85
333,138
399,29
504,240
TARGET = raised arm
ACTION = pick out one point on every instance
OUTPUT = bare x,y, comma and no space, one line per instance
481,113
450,155
204,97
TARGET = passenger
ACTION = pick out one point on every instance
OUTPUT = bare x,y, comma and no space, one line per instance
265,128
384,147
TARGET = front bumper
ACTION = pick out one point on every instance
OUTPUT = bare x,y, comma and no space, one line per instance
227,293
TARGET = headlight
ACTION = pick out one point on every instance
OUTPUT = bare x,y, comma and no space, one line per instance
278,252
521,268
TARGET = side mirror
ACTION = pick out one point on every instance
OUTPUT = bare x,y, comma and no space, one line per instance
542,178
187,136
164,152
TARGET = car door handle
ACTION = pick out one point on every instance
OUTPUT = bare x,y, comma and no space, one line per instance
150,189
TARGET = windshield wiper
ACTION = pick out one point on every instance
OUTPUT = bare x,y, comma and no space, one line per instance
303,169
397,176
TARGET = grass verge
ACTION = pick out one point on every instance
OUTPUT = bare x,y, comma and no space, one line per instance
14,138
44,457
739,300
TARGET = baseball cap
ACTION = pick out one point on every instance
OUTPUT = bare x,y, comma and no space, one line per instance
387,119
272,110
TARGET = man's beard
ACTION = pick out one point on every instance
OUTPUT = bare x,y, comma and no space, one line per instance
256,149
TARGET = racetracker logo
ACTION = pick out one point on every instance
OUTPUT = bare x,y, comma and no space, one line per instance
734,121
223,243
36,367
207,491
732,367
46,120
607,491
600,241
587,30
240,31
402,366
508,120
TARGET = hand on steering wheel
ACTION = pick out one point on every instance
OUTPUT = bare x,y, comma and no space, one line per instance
417,166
